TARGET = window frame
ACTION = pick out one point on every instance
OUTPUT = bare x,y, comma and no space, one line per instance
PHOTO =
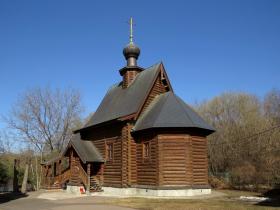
109,158
146,150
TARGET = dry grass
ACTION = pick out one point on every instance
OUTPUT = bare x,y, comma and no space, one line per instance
227,202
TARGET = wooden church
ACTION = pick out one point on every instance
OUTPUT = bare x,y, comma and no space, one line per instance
142,138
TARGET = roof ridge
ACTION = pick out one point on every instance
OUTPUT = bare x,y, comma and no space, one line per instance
78,152
150,107
165,99
150,67
142,72
157,69
147,70
180,103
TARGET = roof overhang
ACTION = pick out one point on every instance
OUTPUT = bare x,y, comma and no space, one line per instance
185,130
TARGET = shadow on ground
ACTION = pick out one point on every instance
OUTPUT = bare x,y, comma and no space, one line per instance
8,196
274,198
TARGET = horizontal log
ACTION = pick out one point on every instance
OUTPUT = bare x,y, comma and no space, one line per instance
174,160
141,177
148,182
174,178
176,183
178,164
174,153
199,150
112,181
166,146
112,168
200,159
200,183
173,171
151,174
204,151
197,170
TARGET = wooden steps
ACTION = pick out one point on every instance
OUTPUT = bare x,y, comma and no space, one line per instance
94,185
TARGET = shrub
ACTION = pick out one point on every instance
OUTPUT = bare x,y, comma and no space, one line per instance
218,183
243,175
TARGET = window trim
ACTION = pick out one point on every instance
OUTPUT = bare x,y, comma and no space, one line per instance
146,154
109,158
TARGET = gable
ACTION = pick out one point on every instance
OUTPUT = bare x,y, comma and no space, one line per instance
161,85
85,149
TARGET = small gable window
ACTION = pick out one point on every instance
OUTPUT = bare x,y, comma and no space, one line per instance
146,150
109,151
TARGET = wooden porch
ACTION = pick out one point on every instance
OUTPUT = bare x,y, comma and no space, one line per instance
70,169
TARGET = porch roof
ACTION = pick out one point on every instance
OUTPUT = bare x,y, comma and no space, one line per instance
85,150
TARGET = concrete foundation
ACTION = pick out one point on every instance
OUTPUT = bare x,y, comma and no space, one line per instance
139,192
75,189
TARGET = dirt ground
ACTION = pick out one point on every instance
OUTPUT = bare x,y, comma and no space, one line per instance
219,200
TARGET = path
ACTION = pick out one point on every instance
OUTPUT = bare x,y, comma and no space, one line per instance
64,201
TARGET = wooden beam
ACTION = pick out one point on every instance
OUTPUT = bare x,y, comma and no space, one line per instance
129,154
102,174
88,174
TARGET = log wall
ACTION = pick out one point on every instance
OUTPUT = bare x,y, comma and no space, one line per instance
124,156
200,161
175,159
147,168
133,160
182,160
112,169
128,77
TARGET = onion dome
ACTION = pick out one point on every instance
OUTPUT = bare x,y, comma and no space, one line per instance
131,50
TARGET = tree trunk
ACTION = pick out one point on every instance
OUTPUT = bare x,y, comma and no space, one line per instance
25,177
37,174
41,170
15,180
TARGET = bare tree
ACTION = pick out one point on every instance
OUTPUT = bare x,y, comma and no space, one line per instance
45,117
247,137
2,149
272,105
5,143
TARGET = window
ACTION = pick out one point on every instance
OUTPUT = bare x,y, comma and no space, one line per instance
109,151
146,150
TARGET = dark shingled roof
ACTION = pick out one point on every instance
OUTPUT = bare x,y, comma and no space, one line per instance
120,102
50,161
169,111
85,149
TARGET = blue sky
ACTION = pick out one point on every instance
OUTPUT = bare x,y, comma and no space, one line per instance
207,47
